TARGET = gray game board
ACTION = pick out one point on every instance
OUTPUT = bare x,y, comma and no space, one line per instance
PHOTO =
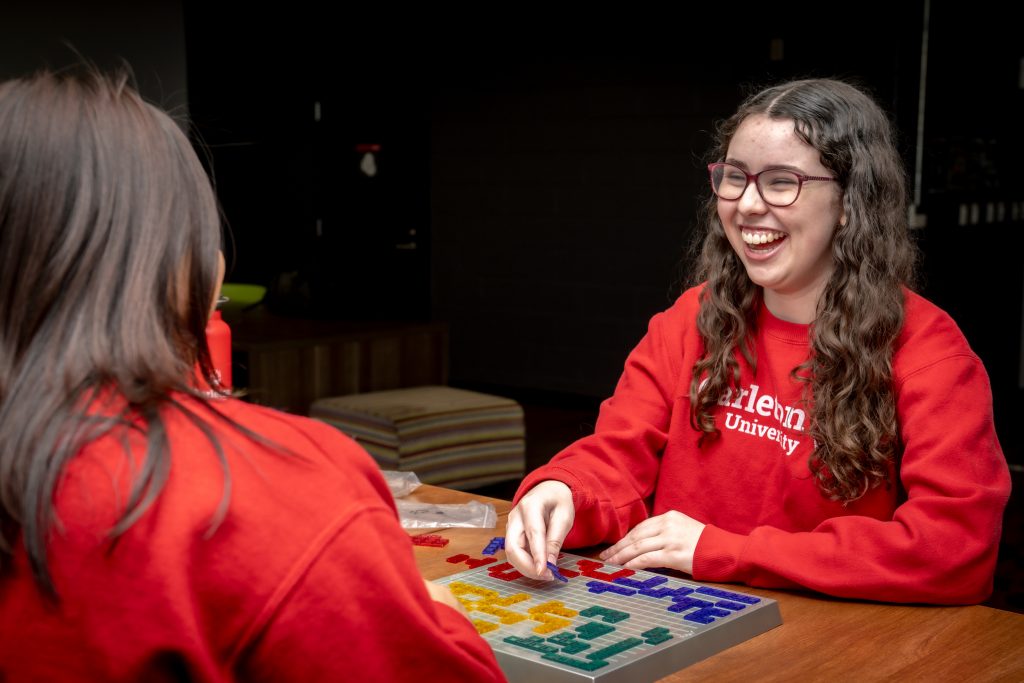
563,631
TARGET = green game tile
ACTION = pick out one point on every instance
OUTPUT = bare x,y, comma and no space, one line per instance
612,650
657,635
611,616
534,643
563,639
585,664
575,648
592,629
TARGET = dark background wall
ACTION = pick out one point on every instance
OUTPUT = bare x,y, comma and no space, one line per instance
148,36
537,182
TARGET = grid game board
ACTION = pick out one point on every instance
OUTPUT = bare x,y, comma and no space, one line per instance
606,623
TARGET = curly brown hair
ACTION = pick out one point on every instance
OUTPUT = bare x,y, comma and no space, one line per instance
860,313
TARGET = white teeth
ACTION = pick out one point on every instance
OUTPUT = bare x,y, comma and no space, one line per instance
761,237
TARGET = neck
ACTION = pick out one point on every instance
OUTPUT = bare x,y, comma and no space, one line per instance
798,307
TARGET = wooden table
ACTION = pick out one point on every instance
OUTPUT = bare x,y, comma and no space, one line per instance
821,638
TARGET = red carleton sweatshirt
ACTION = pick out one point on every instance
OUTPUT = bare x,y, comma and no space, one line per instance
307,577
930,538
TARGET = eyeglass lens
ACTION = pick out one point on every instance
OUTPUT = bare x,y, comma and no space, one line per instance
777,186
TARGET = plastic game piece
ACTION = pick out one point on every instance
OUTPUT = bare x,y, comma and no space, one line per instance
497,543
504,615
510,600
556,573
553,607
432,540
589,568
592,630
575,647
614,649
483,627
688,603
563,638
729,595
585,664
607,615
533,642
649,584
474,562
607,587
504,571
548,623
701,616
471,562
656,635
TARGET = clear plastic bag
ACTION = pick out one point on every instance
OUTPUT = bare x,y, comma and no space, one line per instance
401,483
474,514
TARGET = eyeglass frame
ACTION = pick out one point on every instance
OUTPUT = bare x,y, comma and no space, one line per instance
754,177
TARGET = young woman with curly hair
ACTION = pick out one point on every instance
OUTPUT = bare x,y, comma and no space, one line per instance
800,417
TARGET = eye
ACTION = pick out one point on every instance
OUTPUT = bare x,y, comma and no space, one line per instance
735,178
780,181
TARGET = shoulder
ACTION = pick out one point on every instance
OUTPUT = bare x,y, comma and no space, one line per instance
683,311
929,337
689,301
262,452
296,432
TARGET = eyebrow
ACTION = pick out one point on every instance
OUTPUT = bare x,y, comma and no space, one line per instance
769,167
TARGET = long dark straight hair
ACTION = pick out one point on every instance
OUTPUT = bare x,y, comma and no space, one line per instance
860,313
109,239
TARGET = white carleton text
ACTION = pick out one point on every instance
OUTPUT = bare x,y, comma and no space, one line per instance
751,400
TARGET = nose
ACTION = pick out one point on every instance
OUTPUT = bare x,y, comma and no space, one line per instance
750,201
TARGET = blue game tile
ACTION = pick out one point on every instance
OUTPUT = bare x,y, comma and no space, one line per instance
706,615
606,587
729,595
688,603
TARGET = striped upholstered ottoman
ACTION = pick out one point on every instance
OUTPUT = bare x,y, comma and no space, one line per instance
448,437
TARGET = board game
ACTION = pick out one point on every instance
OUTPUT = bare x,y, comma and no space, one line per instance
601,622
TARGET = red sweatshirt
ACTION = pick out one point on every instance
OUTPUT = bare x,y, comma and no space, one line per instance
932,537
307,577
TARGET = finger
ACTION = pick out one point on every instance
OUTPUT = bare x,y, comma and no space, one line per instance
660,558
629,551
559,525
645,529
516,548
539,551
528,548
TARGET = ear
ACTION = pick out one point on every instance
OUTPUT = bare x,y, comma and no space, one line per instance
842,220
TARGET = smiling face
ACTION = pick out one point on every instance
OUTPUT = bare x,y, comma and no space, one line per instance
785,250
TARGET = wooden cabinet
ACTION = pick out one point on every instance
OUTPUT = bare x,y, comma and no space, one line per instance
288,363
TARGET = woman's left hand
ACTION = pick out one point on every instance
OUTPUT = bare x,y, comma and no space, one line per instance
667,540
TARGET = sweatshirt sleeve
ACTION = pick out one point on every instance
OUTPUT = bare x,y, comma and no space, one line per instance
613,472
359,611
941,543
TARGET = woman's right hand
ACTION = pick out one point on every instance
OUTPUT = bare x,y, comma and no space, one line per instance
537,526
